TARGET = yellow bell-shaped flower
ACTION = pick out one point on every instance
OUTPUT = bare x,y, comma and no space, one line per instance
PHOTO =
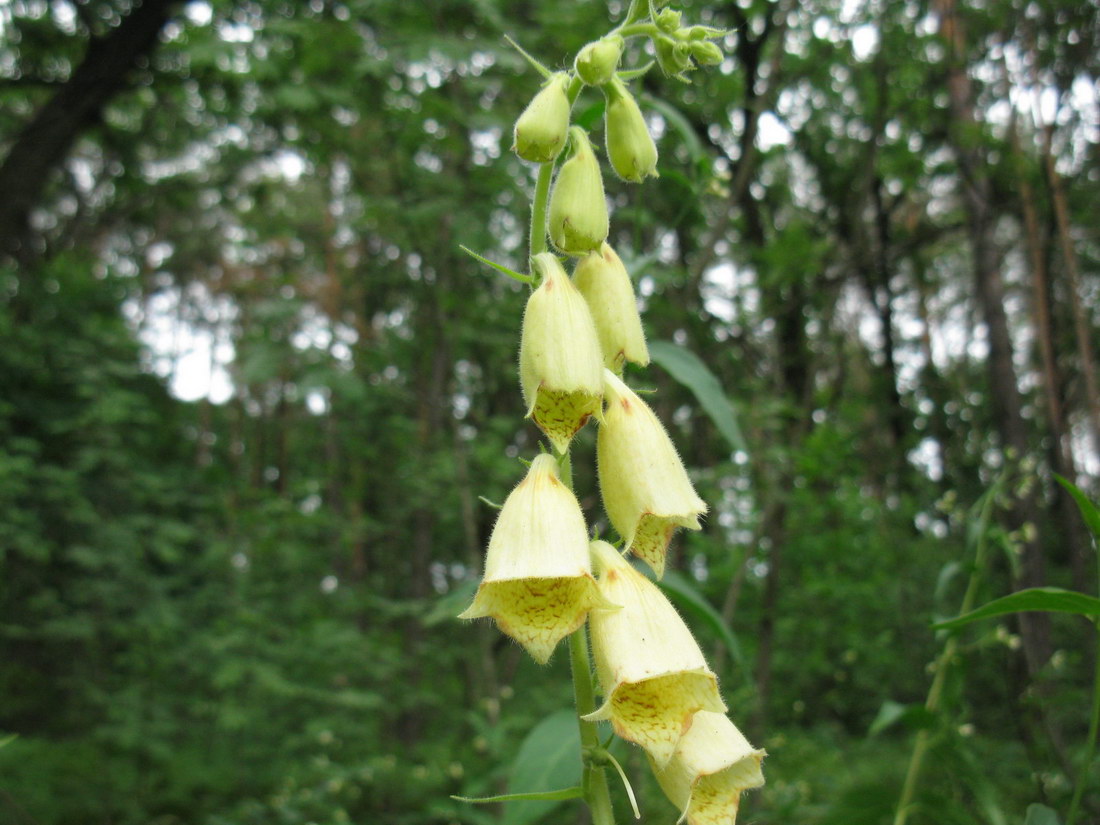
560,365
577,217
652,672
713,763
538,583
605,284
645,489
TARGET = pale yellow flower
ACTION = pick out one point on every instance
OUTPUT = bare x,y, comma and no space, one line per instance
559,355
538,583
645,489
652,672
713,763
605,284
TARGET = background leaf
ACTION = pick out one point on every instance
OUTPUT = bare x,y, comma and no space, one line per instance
1048,599
686,367
548,759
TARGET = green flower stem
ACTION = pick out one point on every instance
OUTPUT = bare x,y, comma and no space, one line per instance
639,29
594,782
944,662
1090,745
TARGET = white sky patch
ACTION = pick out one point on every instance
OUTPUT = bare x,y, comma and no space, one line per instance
864,41
199,13
188,338
771,132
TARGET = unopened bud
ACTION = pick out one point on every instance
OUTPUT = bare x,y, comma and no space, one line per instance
544,125
707,53
605,284
596,62
668,20
560,364
705,33
674,58
630,147
578,221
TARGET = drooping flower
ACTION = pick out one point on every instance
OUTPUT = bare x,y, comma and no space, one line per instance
538,583
577,216
652,672
645,489
605,284
630,147
559,355
713,763
541,130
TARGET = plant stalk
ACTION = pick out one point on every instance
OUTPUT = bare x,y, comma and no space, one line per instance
1090,745
944,661
594,781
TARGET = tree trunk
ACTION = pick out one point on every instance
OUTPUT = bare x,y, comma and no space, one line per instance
77,105
989,286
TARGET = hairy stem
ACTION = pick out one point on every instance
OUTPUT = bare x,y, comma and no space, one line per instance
594,782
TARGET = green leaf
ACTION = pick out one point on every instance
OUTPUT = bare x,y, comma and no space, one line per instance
683,127
1047,599
1089,513
688,598
450,604
564,793
1041,815
685,367
7,740
548,758
501,268
891,713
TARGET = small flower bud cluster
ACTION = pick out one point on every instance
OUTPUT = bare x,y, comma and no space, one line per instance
543,578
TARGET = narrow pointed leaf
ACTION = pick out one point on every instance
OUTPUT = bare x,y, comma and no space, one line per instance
511,273
563,793
1089,512
1046,599
686,367
684,595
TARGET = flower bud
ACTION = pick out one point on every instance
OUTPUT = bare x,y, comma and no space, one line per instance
713,763
674,58
707,53
668,20
603,281
652,672
630,147
704,33
578,221
559,355
645,488
544,125
596,62
538,583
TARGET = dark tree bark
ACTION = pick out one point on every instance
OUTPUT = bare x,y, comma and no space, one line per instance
78,104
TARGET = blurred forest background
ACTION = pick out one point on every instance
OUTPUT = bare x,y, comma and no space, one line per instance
251,392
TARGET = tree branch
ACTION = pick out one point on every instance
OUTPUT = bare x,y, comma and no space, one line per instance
46,140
